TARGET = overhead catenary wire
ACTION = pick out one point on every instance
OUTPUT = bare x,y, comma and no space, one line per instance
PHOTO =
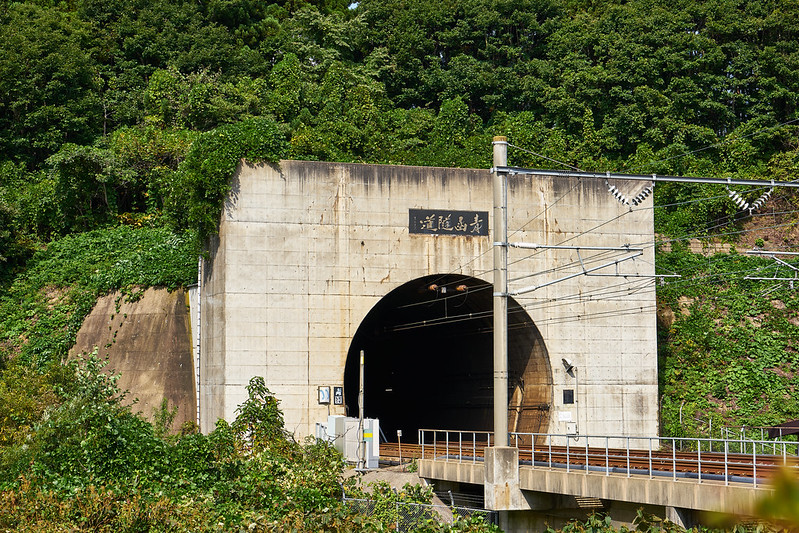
640,197
621,290
660,161
549,303
652,244
521,228
542,156
570,239
548,207
704,235
558,200
587,295
708,267
484,315
729,233
604,294
648,286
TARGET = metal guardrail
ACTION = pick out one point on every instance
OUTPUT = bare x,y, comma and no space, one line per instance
466,441
730,461
747,434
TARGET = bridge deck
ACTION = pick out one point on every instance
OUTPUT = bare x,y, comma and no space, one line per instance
685,473
707,466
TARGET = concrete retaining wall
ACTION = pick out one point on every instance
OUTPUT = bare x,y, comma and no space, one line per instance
147,342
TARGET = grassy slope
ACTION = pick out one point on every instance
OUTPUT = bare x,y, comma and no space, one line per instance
729,347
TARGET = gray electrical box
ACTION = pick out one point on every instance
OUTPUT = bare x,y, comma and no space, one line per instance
344,434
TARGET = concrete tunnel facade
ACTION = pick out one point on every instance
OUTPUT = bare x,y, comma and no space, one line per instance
317,261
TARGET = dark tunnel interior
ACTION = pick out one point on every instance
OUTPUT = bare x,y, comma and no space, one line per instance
428,360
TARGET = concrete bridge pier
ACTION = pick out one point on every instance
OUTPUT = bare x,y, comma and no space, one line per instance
685,518
502,490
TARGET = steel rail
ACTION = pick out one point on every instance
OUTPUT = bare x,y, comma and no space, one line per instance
612,459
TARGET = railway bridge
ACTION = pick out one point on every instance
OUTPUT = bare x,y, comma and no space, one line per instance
543,478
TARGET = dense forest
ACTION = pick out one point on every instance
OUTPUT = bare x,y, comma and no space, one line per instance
121,123
106,108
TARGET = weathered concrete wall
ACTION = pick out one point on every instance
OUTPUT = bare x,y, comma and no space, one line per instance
306,249
147,342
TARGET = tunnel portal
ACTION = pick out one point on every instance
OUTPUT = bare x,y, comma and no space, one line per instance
429,360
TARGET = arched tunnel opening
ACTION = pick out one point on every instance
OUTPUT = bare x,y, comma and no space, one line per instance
428,361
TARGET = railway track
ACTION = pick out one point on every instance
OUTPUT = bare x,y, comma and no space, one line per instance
731,465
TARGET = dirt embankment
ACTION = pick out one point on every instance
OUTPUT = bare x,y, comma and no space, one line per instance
148,342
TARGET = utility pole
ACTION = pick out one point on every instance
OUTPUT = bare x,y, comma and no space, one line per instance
361,439
500,182
501,488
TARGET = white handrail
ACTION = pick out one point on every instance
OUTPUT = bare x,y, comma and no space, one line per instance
643,451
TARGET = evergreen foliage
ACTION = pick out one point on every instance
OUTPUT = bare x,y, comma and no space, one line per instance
43,308
202,181
121,124
627,86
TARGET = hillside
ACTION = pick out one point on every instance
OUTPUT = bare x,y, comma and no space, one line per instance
121,123
728,345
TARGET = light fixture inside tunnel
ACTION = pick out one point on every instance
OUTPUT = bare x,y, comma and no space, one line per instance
443,289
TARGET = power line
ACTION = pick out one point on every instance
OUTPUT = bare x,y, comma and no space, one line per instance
703,236
543,157
590,230
575,236
620,290
521,228
604,293
691,282
741,232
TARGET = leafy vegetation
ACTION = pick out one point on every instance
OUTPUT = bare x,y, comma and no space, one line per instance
122,122
43,308
603,523
90,463
93,464
100,104
730,356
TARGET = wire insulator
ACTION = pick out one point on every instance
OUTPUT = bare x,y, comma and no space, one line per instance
641,196
738,200
617,194
757,204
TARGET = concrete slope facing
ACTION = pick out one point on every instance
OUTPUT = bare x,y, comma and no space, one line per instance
147,340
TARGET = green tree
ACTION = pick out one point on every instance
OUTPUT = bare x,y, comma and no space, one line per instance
47,82
89,182
202,182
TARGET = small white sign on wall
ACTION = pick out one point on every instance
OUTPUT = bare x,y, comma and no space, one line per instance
564,416
324,395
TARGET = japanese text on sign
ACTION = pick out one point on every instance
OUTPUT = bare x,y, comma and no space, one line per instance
338,395
448,222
